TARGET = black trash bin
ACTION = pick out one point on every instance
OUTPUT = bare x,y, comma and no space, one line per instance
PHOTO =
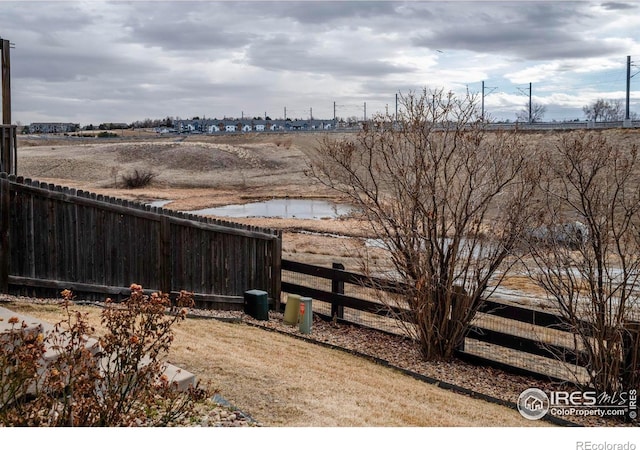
256,304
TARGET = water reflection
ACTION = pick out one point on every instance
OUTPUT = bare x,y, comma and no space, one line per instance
159,203
285,208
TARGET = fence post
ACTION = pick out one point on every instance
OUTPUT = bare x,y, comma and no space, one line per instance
337,287
165,255
276,270
4,233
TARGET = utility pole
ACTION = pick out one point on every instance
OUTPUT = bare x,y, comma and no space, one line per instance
627,115
365,111
396,106
529,102
6,144
483,96
310,113
433,106
6,82
522,90
334,111
285,113
8,139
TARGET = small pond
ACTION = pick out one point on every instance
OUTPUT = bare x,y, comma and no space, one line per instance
286,208
159,203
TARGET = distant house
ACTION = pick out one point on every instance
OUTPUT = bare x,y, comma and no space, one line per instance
53,127
264,125
298,125
212,126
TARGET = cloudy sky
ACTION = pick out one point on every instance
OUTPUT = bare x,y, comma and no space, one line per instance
112,61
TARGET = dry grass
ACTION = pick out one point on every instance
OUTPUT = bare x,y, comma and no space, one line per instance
282,381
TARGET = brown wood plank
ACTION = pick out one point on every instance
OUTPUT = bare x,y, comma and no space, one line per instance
119,207
5,250
344,300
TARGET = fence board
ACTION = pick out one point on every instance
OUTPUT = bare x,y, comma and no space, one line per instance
75,238
5,249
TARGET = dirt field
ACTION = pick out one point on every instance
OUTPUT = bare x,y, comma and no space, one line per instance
200,171
196,172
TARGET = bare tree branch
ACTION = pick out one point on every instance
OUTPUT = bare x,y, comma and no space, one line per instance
448,200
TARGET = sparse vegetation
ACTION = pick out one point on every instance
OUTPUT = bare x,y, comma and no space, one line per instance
604,110
106,134
138,179
283,142
187,183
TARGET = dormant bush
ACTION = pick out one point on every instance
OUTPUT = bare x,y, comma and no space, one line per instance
118,383
447,200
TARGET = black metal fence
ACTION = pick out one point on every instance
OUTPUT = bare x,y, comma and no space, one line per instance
525,340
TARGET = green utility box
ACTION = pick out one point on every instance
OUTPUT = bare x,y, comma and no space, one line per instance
292,309
256,304
306,315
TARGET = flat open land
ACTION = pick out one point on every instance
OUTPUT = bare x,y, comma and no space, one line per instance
278,380
200,171
196,172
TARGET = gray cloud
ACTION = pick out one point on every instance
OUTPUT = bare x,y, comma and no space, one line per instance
527,30
619,6
123,61
186,26
330,12
283,52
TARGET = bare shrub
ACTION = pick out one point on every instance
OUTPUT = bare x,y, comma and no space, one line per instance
284,142
118,383
595,281
447,201
138,179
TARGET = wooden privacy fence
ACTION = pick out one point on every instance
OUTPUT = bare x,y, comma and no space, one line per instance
520,339
54,238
